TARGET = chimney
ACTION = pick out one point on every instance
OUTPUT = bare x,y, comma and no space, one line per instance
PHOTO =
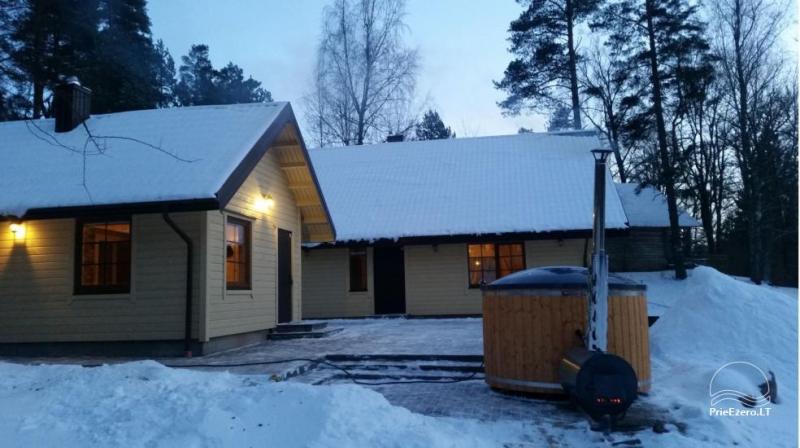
395,138
598,277
71,104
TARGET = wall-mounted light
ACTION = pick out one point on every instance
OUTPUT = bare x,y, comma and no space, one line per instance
18,230
264,204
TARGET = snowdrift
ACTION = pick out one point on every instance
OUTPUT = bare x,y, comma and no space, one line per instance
719,320
146,404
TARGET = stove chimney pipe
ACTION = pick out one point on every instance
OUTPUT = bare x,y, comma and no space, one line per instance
597,334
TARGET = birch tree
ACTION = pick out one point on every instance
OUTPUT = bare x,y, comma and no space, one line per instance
365,73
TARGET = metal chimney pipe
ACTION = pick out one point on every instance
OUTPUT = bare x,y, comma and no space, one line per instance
597,334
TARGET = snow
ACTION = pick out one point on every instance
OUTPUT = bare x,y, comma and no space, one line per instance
144,404
38,172
486,185
647,207
716,319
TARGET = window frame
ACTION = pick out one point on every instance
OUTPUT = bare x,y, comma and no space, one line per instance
496,261
78,287
359,251
248,243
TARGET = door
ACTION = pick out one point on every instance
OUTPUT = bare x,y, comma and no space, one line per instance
390,280
284,276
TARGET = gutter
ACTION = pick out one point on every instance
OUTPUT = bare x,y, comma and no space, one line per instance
187,347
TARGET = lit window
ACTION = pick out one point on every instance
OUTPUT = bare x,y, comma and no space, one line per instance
358,269
488,262
237,257
104,254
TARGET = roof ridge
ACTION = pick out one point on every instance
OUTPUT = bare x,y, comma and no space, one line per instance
582,133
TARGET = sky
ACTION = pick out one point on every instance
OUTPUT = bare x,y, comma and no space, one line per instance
462,46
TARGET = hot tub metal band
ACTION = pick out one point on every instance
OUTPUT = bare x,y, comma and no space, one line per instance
541,384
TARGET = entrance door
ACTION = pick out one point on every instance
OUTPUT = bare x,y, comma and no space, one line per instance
390,284
284,276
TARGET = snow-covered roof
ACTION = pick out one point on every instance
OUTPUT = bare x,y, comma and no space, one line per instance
157,155
647,207
465,186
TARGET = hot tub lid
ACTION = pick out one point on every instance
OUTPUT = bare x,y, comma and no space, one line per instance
559,277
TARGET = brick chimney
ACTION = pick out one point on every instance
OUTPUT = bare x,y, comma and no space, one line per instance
71,104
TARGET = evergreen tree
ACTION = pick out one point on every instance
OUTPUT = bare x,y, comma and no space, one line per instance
559,120
666,37
196,78
232,88
165,75
544,72
125,71
201,84
52,38
432,127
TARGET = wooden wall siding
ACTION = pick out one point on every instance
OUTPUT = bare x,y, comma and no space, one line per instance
437,281
326,285
233,312
641,250
525,337
568,252
36,285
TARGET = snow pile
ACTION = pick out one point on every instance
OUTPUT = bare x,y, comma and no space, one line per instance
535,182
716,320
145,404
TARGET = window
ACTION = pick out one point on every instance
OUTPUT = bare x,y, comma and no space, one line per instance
237,257
104,257
488,262
358,269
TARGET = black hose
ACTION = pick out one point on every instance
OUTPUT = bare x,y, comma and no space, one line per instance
349,375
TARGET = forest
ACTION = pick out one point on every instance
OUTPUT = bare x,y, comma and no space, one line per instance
698,99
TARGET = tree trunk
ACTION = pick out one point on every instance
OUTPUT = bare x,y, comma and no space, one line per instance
573,66
38,99
614,140
750,193
667,170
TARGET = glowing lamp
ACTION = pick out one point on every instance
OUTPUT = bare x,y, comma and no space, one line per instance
264,203
18,229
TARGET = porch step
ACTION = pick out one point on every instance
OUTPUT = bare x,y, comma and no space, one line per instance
300,327
284,335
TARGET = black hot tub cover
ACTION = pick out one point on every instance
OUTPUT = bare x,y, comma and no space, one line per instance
559,277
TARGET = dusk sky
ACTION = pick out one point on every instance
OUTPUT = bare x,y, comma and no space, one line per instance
462,48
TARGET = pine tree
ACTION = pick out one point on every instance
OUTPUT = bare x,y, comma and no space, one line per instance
559,120
126,65
196,78
52,38
431,127
544,72
233,88
201,84
165,75
667,38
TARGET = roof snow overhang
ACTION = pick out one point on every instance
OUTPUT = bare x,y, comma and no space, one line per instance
282,136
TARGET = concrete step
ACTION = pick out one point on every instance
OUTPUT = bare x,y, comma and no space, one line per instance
284,335
300,327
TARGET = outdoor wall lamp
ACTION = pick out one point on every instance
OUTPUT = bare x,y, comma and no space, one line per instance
18,230
265,203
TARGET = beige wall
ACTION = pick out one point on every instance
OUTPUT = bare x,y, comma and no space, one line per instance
37,303
436,278
232,312
326,285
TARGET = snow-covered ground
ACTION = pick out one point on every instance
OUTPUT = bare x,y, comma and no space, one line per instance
706,321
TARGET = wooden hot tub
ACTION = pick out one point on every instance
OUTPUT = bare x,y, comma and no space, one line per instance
532,318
